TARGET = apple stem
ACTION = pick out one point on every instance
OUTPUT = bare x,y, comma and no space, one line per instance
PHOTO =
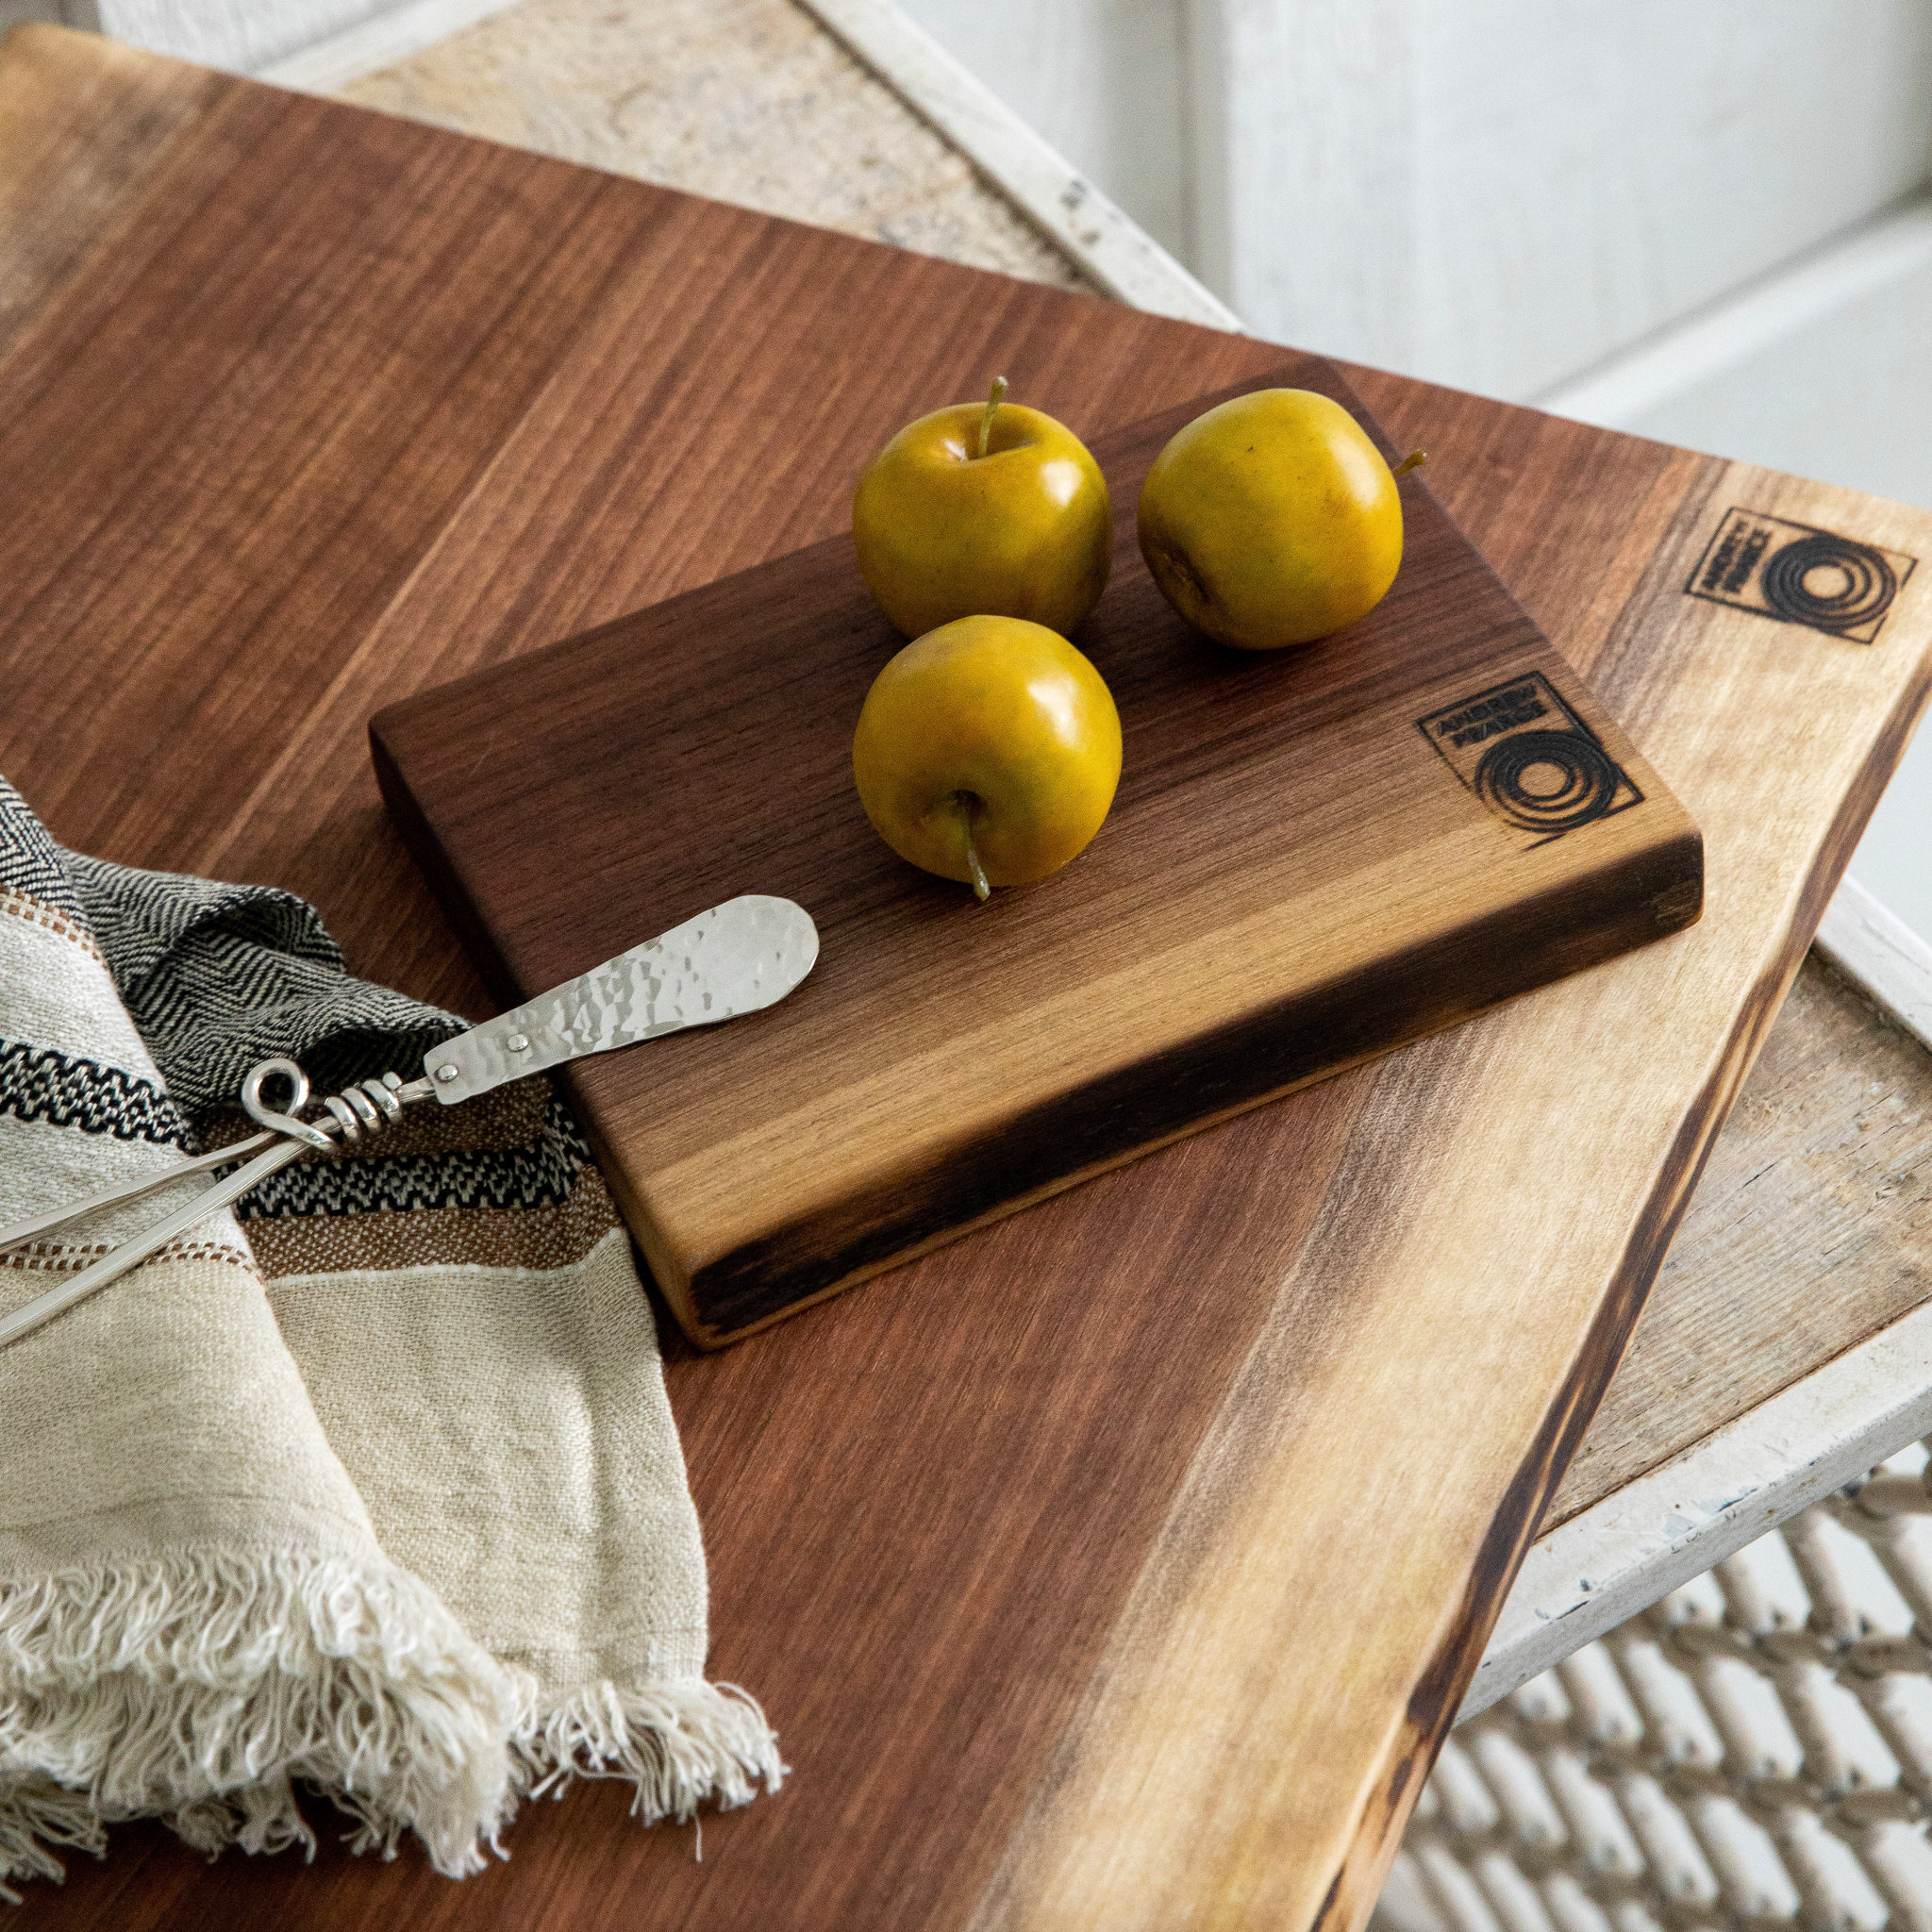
992,409
1413,460
982,886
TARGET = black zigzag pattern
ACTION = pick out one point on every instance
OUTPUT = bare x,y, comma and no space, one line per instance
31,862
543,1174
218,977
38,1084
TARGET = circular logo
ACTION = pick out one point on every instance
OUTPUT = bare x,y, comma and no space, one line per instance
1828,582
1547,781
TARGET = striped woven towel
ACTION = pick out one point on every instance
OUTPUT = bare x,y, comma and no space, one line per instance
375,1489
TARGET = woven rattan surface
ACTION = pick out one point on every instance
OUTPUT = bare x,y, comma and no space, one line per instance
1755,1750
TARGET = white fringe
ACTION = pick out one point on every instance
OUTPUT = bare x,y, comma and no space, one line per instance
679,1744
198,1687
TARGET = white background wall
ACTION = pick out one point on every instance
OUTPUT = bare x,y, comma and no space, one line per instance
237,34
13,12
1558,180
1101,79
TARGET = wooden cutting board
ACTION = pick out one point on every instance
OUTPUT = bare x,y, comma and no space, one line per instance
1314,855
1125,1562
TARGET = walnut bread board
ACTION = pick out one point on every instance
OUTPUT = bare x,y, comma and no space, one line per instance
1314,856
1121,1563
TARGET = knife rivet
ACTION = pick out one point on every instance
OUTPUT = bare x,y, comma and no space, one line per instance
447,1072
517,1043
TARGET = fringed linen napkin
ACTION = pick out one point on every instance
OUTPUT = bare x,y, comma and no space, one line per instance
375,1489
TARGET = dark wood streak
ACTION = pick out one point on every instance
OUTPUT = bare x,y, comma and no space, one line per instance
1378,1005
1439,1690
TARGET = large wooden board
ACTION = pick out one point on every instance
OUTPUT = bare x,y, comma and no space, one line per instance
1314,856
1121,1563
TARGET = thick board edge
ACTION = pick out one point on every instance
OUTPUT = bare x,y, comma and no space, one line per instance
438,869
1644,895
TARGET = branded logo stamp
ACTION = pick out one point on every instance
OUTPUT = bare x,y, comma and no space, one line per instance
1799,574
1530,758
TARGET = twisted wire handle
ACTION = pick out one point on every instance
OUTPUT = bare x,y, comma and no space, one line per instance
368,1107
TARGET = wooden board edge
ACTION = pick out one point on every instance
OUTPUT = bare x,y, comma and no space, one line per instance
1516,1525
439,871
1656,891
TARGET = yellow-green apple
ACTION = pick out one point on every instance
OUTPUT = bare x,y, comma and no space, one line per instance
1273,519
984,510
988,751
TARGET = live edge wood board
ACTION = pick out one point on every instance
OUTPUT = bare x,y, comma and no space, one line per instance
1314,855
1120,1564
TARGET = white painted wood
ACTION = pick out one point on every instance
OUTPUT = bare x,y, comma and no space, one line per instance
1587,175
377,43
1489,192
1657,1533
1305,163
1101,80
1864,939
1843,394
1894,858
1121,256
312,44
1499,193
1889,254
240,36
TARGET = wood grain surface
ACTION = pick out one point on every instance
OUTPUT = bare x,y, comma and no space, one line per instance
1311,860
1120,1564
745,101
1810,1229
